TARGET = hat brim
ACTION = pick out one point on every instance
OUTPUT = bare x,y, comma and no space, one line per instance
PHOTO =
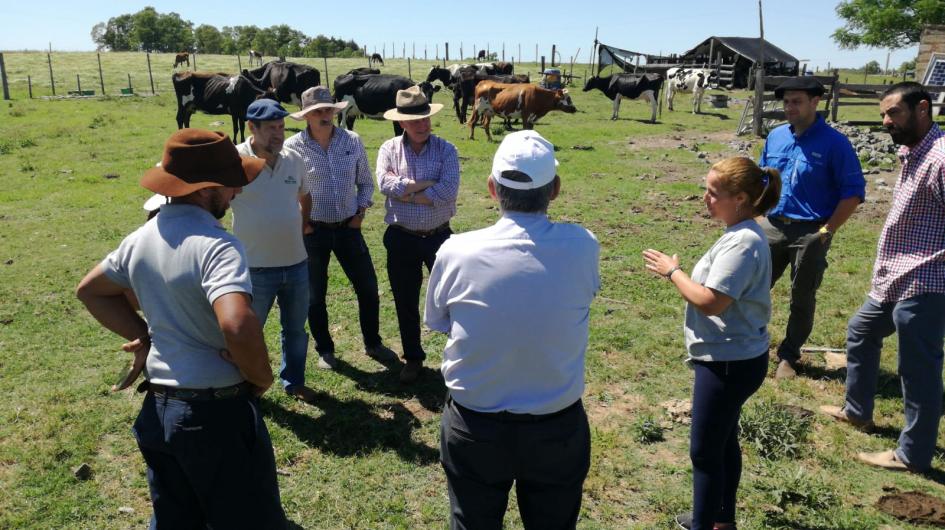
300,115
158,180
395,115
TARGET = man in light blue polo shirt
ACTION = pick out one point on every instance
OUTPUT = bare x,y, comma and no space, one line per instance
515,300
822,185
268,220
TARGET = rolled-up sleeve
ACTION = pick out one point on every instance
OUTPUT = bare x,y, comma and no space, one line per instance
388,182
846,166
363,178
447,185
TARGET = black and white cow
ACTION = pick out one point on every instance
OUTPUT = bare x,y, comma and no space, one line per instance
694,80
372,95
214,93
630,86
288,80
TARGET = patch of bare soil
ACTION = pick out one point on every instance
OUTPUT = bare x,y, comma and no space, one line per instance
671,141
618,406
418,410
914,507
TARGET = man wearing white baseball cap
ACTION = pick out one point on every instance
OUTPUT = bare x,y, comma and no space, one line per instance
515,300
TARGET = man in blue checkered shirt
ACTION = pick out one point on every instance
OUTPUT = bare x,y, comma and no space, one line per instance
418,173
338,180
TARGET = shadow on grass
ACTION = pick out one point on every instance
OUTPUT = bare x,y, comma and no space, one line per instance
720,116
354,427
781,521
429,389
887,387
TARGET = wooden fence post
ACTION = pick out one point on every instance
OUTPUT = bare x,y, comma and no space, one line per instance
326,74
101,78
409,75
150,76
52,82
3,78
194,55
78,85
29,85
130,88
835,97
239,63
446,47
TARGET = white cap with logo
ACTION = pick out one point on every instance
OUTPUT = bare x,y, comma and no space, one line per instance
528,153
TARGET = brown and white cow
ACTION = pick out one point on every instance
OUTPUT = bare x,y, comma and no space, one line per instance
181,58
525,101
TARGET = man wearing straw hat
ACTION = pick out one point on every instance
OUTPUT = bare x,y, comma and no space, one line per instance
338,181
419,174
267,219
209,457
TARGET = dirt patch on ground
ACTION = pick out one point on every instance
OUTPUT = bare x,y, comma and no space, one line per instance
418,410
672,141
611,405
914,507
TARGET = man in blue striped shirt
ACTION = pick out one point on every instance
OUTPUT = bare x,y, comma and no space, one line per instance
418,173
338,179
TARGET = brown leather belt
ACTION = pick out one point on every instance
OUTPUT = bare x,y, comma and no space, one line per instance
787,220
197,394
424,233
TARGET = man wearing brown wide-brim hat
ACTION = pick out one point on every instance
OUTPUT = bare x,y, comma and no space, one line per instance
418,173
202,346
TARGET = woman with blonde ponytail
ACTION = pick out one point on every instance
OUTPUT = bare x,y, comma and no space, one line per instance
728,307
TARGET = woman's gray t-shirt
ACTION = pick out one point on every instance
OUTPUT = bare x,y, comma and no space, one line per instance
737,265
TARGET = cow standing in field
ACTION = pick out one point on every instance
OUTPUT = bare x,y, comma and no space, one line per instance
463,80
181,58
525,101
214,93
630,86
688,80
255,57
372,95
288,80
375,59
481,56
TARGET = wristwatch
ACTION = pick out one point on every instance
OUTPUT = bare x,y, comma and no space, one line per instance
824,231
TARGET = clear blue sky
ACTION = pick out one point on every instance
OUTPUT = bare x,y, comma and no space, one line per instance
800,27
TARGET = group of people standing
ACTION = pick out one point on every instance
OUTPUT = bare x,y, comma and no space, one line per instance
513,298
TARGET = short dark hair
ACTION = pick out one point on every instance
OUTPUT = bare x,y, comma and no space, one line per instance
526,201
912,93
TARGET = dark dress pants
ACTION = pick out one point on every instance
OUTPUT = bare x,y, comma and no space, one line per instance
352,252
407,254
485,454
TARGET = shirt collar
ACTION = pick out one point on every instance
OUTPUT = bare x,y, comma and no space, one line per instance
189,210
818,122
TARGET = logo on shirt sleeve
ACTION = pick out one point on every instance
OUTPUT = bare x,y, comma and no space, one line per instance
291,180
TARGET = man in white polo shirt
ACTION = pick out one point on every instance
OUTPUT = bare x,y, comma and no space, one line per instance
515,300
267,219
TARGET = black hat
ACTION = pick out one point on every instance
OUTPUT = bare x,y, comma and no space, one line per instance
805,83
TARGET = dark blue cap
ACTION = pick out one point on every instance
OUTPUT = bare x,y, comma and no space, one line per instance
265,110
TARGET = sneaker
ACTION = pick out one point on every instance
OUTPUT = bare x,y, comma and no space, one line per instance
302,393
411,371
786,370
381,353
327,361
839,414
886,460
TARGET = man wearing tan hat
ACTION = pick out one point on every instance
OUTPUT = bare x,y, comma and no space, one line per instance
419,174
338,181
514,300
209,457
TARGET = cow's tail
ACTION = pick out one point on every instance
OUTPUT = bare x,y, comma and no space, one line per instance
660,101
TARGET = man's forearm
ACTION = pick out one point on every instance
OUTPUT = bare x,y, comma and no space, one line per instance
107,303
244,339
841,213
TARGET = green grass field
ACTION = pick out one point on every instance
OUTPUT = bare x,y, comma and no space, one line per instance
366,455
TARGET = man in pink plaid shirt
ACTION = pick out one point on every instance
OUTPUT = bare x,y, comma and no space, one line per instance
907,295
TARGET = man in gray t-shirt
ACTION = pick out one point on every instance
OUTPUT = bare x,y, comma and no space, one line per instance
210,463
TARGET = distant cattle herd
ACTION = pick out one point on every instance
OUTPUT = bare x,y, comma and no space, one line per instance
489,88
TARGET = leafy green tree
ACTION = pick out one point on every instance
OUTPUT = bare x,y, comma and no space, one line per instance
907,66
885,23
872,67
147,30
116,34
208,39
176,34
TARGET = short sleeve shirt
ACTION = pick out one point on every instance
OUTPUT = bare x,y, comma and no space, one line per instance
178,264
738,265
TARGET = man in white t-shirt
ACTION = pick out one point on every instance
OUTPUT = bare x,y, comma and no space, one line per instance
267,219
515,300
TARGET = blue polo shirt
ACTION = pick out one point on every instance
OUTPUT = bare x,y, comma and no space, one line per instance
818,169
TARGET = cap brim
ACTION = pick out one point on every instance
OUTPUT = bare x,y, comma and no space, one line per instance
158,180
300,115
395,115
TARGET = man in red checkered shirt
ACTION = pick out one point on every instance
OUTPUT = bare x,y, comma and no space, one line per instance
907,295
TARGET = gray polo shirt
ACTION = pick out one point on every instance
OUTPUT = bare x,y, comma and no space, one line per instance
178,264
737,265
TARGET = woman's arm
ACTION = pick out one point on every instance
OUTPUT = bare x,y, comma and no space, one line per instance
709,302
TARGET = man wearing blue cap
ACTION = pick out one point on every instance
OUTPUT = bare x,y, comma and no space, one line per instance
267,218
822,185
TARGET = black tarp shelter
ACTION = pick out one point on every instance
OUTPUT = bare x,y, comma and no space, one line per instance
743,53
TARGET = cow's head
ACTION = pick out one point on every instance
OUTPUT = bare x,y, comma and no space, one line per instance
563,101
428,89
594,82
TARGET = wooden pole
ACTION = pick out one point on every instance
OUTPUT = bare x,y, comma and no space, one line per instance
325,59
409,74
150,75
29,85
835,96
130,89
101,78
503,52
3,78
78,84
52,81
553,46
759,79
446,48
711,50
194,56
591,62
519,52
239,63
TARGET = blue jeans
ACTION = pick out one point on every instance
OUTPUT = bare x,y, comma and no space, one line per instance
920,325
288,285
210,464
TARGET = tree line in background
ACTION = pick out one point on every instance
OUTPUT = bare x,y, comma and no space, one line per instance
148,30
